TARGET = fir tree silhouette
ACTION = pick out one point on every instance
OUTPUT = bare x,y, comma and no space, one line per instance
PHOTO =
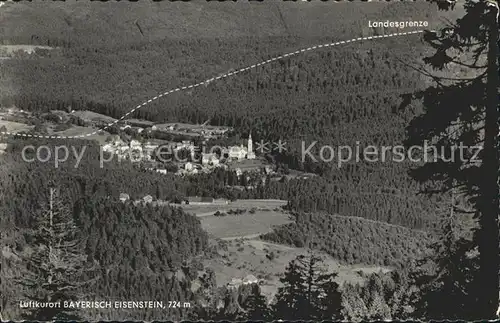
256,306
291,299
56,269
464,111
309,292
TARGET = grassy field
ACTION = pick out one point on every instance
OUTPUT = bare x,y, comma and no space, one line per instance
78,130
244,257
15,126
100,137
247,224
188,126
93,116
268,213
8,50
202,210
248,164
141,123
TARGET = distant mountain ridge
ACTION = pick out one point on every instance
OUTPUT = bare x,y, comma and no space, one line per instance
79,23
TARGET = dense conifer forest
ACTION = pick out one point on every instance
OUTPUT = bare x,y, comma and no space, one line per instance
137,249
337,96
353,240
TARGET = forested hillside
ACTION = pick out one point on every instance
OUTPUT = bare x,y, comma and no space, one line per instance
329,93
112,75
140,251
76,23
336,96
353,240
353,193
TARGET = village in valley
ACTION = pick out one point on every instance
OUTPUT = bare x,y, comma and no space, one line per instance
179,148
187,150
186,157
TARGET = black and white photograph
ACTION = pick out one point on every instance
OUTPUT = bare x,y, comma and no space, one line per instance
249,160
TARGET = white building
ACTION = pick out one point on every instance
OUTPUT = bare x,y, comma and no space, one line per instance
186,145
241,152
108,148
209,159
135,144
188,169
250,153
235,283
150,147
250,279
237,152
115,143
136,152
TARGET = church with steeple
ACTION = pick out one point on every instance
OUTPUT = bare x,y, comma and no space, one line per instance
240,152
250,153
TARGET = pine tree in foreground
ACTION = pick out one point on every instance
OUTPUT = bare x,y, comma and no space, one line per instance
446,279
309,291
55,268
330,302
354,308
291,298
256,306
463,112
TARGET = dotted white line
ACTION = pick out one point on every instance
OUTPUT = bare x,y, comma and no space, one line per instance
211,80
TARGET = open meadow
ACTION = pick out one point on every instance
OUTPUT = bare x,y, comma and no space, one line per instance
206,209
100,136
242,225
267,262
15,126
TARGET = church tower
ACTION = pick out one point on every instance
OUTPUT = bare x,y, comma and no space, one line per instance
250,153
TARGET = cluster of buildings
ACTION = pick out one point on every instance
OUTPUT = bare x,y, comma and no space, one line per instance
236,153
189,130
132,150
147,149
241,152
3,147
203,130
189,163
235,283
